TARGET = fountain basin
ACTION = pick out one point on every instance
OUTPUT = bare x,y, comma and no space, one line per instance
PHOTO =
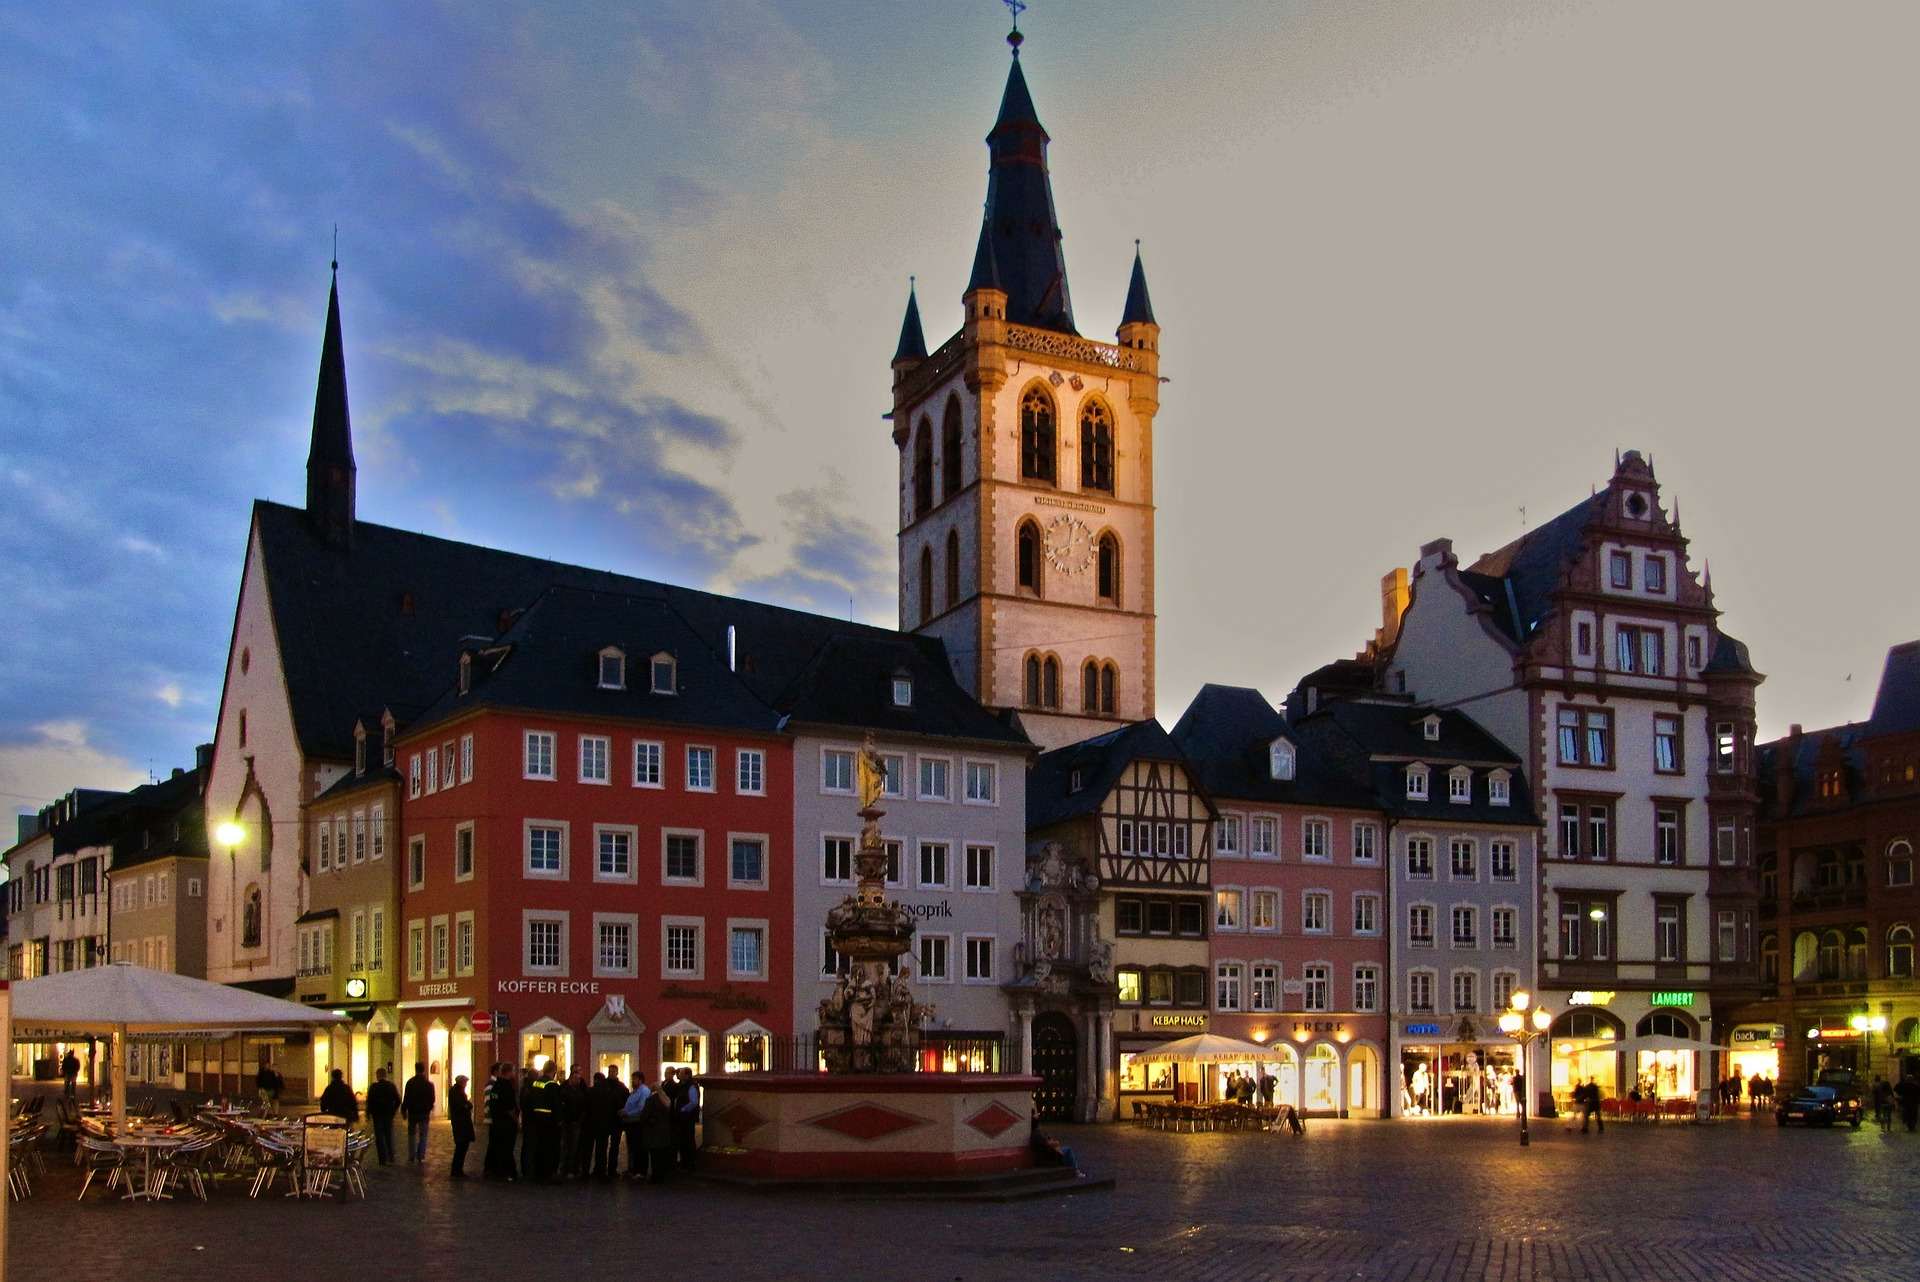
866,1126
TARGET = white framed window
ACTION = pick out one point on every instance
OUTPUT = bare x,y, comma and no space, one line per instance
323,842
1463,859
934,784
896,851
682,948
1420,858
357,957
1420,925
1264,991
934,951
595,749
431,768
1316,912
1316,841
1416,783
613,852
903,692
836,770
1263,911
1466,990
613,669
978,950
1227,979
699,769
416,862
746,948
664,674
463,852
831,962
442,934
1366,914
544,932
377,939
1366,988
1366,842
895,784
1466,926
537,755
417,948
614,935
449,766
935,874
463,945
750,772
1280,760
1226,837
545,841
1506,928
646,763
1318,977
979,870
377,832
981,789
682,857
1125,838
1266,837
1420,991
1502,860
747,861
466,758
1504,982
1228,902
1500,791
836,861
359,836
413,776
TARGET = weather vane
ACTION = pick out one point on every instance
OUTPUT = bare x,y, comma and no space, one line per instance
1016,8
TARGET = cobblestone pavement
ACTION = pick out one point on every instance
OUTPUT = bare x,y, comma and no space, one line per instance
1375,1200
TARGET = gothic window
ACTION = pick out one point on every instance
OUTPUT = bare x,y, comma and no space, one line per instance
953,568
1900,952
1050,682
1090,686
1033,681
1036,436
1027,542
950,450
922,469
1109,569
926,584
1109,678
1096,447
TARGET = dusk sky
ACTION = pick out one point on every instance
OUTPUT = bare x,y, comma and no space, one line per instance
620,283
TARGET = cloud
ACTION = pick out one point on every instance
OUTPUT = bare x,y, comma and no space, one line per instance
144,547
58,758
834,557
169,694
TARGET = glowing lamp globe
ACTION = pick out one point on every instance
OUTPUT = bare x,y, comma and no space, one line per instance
229,834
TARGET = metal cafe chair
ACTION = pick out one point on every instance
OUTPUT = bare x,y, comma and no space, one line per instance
101,1155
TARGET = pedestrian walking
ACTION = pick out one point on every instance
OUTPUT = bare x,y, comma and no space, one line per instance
338,1101
686,1118
503,1124
460,1112
1588,1098
383,1101
418,1106
1883,1103
1908,1093
70,1072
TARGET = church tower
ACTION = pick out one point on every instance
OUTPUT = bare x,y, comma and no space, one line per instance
1026,468
331,474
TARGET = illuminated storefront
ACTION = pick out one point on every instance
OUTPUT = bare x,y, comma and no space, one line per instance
1585,1048
1453,1070
1755,1051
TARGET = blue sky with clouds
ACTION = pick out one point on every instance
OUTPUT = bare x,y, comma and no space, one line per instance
620,283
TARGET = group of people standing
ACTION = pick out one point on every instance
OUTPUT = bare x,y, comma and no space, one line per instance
386,1102
570,1127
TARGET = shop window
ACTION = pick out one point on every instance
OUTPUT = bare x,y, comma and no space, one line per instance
1664,1023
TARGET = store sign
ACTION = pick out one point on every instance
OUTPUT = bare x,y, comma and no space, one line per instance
1292,986
1423,1030
315,999
1597,997
570,987
1831,1034
926,912
1178,1021
718,998
1681,998
1759,1036
447,989
1317,1026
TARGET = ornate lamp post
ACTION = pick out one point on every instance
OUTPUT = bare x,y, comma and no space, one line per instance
1867,1026
1516,1022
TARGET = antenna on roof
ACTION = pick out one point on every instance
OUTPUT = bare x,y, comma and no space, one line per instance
1523,516
336,247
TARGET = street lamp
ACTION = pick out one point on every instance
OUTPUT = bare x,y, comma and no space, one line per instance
1523,1026
229,834
1867,1026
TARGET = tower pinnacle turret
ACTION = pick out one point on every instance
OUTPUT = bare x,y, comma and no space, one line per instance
331,474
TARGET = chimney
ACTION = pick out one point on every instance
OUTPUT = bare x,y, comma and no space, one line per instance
1395,596
203,757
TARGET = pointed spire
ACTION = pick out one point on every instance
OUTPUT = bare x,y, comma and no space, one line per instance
986,268
1139,308
913,341
331,473
1020,215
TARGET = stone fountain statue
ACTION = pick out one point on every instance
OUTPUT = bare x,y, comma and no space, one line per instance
871,1023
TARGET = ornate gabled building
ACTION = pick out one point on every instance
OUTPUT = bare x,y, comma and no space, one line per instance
1026,468
1591,648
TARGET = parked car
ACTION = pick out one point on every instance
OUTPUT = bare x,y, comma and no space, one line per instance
1820,1106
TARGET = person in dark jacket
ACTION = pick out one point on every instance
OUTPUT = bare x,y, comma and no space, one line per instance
656,1135
1908,1093
630,1111
460,1111
686,1117
578,1095
383,1101
544,1107
503,1124
418,1104
337,1100
603,1123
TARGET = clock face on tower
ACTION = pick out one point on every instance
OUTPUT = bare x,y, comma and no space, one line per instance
1069,544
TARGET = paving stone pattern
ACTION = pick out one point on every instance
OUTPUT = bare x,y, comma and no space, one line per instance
1372,1200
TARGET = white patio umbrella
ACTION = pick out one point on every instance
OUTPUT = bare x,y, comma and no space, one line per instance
121,1000
1662,1042
1206,1048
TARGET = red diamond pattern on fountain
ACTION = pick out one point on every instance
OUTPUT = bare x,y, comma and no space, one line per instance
741,1121
866,1121
993,1120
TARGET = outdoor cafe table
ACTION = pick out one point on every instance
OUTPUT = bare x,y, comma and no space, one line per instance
148,1190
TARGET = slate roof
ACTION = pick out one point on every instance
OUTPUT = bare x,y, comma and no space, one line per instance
1802,759
154,809
1532,567
1729,656
1225,734
850,684
1896,705
1375,741
1051,796
381,623
1026,232
351,782
913,340
1139,307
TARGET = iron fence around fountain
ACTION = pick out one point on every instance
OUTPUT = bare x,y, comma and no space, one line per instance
932,1053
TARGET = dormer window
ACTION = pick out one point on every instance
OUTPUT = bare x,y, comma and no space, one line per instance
1416,782
466,674
1280,759
665,674
359,749
903,692
1075,782
1430,729
386,739
1499,788
1459,785
613,669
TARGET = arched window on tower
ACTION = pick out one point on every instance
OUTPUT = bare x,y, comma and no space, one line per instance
1032,674
922,469
926,584
1037,436
953,568
1096,447
1027,556
1108,574
950,450
1050,682
1090,686
1109,681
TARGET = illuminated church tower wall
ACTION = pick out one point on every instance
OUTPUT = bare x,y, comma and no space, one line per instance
1026,469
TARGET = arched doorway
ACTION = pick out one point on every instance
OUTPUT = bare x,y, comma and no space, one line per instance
1584,1047
1363,1082
1056,1061
1320,1080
